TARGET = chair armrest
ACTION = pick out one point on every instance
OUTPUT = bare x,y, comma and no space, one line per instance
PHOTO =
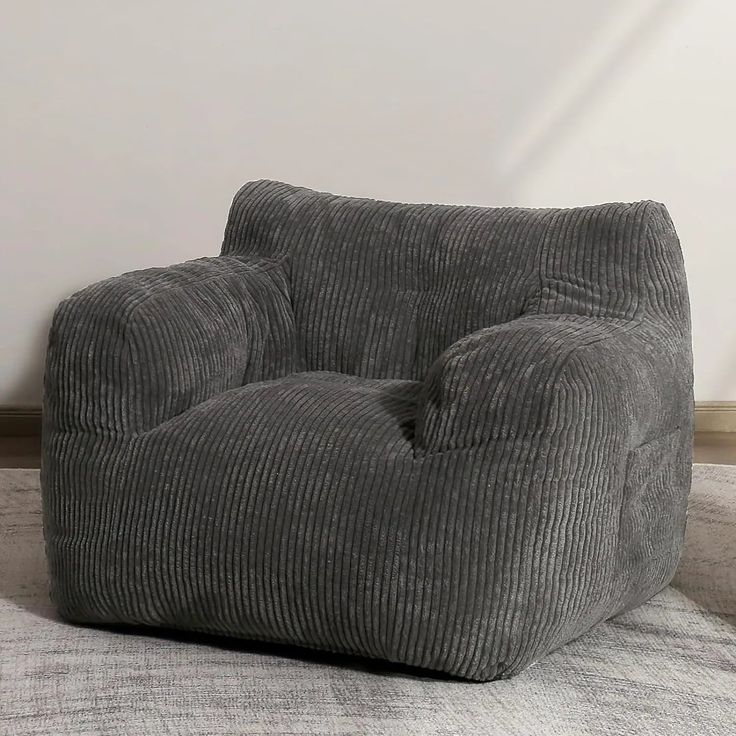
128,353
542,371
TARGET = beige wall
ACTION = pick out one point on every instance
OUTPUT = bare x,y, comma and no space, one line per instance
127,127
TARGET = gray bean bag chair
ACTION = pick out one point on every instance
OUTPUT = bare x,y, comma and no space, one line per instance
450,437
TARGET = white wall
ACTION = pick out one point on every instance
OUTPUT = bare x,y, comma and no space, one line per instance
127,127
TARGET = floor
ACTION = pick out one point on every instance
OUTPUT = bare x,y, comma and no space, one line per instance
710,447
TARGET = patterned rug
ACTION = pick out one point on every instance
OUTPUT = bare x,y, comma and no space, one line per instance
668,667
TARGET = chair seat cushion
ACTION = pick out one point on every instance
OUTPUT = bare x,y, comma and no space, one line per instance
306,411
296,510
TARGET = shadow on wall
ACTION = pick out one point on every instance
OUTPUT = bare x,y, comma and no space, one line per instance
30,381
723,380
527,148
435,105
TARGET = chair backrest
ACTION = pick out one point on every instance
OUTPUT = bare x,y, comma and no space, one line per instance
380,289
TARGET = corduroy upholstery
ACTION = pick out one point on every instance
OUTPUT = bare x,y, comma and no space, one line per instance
452,437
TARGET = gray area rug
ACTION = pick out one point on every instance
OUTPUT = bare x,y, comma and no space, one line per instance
668,667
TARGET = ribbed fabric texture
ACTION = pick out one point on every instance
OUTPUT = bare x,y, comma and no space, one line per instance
452,437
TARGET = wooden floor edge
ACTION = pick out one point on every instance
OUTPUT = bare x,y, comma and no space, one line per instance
710,416
20,421
715,416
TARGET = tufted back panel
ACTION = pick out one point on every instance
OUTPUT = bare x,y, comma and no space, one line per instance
380,289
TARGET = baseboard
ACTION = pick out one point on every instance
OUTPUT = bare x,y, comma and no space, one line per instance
710,416
20,421
715,416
